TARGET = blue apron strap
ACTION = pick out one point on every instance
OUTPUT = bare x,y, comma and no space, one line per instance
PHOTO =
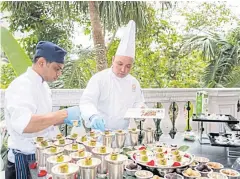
21,164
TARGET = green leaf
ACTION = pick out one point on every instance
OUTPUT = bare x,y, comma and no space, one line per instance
15,54
183,148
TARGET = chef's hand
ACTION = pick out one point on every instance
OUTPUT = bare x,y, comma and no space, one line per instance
97,122
74,116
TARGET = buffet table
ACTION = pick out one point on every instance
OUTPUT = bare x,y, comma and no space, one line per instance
215,154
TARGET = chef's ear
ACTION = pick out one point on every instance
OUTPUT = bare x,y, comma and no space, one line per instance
41,61
113,59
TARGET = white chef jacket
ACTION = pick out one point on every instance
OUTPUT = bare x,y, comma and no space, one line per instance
26,95
110,96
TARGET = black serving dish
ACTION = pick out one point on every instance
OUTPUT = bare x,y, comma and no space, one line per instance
227,142
230,119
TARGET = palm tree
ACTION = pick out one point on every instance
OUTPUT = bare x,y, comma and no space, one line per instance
104,16
223,56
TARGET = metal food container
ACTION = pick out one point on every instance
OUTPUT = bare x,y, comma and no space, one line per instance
171,175
88,171
68,148
120,137
47,153
149,135
90,147
107,138
52,161
230,173
116,167
134,133
215,166
143,174
73,172
216,175
75,157
102,168
40,155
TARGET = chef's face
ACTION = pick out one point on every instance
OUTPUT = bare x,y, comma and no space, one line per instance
50,71
121,65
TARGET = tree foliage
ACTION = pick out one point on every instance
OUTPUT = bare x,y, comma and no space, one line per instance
35,19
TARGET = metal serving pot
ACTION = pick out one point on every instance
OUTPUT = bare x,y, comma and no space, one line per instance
73,172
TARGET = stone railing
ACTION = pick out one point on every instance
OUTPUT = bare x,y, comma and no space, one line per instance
221,100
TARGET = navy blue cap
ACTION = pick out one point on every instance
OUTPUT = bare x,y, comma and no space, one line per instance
50,51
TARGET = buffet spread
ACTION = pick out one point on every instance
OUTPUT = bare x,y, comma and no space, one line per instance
104,155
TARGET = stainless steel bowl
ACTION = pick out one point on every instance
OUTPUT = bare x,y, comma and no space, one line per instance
216,175
211,165
107,139
149,136
143,174
51,162
132,172
102,168
204,174
225,172
169,175
134,137
120,139
89,172
40,155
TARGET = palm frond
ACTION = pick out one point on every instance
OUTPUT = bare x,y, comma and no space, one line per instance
116,13
233,79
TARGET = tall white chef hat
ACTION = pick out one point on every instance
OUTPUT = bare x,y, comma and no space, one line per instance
127,44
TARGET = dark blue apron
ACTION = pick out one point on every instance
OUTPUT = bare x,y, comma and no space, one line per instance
22,162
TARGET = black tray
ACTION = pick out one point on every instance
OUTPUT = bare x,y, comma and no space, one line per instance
214,143
231,119
233,128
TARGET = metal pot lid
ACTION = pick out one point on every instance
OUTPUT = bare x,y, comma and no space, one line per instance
95,163
67,142
120,159
69,147
58,150
53,159
75,155
96,150
72,169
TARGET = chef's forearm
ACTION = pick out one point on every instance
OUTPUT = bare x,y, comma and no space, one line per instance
40,122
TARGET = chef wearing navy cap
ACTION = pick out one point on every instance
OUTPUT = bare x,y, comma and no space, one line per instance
28,108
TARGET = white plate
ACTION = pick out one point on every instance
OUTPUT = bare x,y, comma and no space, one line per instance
75,155
69,147
95,162
72,168
53,159
67,142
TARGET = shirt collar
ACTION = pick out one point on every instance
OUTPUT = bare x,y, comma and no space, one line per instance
35,75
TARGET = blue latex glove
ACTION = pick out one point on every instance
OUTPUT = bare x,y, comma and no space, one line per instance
73,115
97,122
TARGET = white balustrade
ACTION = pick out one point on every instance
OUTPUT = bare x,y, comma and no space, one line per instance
221,100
